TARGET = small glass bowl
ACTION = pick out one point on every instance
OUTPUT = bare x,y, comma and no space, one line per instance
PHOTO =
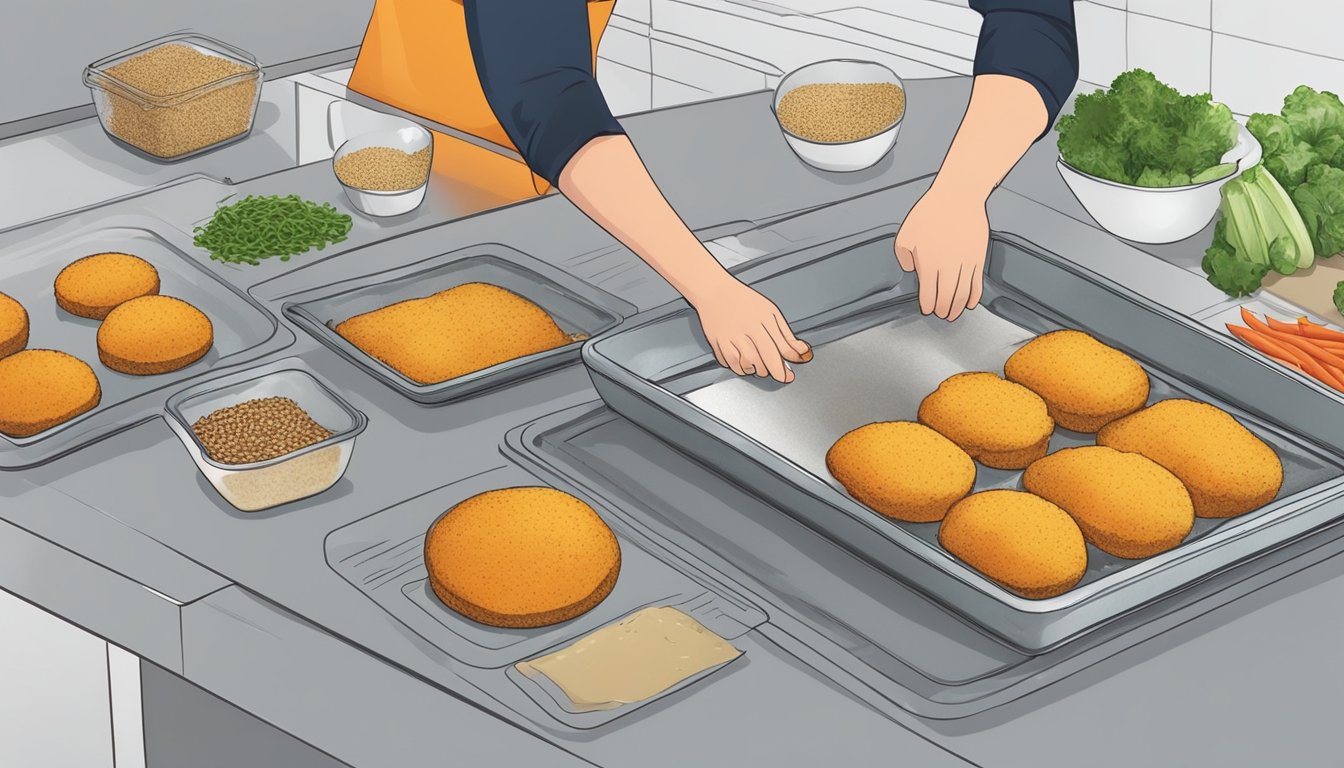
410,139
293,476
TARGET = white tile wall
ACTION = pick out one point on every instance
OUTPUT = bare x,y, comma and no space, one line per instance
626,89
626,42
1177,53
1310,26
1101,42
1254,77
1196,13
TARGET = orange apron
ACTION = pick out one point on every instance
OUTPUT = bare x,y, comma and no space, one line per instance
416,57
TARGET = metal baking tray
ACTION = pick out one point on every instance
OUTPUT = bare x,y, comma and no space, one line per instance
877,357
577,308
243,330
382,556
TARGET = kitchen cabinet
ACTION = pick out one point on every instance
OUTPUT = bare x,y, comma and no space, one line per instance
55,704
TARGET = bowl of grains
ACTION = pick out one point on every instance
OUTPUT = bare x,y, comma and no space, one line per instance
269,439
385,173
840,114
176,96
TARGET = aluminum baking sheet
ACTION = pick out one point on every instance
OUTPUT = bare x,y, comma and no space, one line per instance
877,357
579,309
382,556
243,330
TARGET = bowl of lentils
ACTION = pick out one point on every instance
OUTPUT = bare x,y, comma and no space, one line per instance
263,440
840,114
386,173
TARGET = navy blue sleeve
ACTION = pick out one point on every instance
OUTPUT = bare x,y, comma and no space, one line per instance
1034,41
535,62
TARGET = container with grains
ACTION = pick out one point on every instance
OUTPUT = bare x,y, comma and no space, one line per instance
386,172
176,96
269,439
840,114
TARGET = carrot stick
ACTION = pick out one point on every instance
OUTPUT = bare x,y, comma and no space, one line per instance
1279,325
1313,331
1273,347
1306,346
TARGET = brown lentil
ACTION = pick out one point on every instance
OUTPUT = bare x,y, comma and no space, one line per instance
836,112
257,430
383,169
254,489
166,127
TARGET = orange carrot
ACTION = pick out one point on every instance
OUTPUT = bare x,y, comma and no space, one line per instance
1267,343
1280,325
1313,331
1306,346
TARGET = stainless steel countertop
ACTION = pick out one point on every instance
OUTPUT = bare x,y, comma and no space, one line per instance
125,539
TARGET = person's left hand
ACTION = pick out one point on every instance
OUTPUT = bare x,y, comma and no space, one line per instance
944,240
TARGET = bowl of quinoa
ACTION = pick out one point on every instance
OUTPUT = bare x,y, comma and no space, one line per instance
840,114
386,173
177,96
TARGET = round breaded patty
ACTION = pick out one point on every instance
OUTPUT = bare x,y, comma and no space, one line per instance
41,388
1125,504
1021,541
1227,469
522,557
454,332
154,334
1084,383
902,469
999,423
95,285
13,326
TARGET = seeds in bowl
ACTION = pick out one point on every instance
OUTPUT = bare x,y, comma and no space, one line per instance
174,128
838,112
383,169
257,430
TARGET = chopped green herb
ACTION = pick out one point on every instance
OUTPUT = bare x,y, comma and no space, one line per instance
260,227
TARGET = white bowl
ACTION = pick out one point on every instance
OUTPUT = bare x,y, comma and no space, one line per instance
1157,214
846,155
409,138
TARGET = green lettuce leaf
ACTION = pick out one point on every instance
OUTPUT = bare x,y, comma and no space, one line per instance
1320,201
1317,118
1227,271
1156,177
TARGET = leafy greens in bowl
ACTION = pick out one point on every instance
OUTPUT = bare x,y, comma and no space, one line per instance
1144,133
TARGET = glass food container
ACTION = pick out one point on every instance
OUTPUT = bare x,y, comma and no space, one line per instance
293,476
176,96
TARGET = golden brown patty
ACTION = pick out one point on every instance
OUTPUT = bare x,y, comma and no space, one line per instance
1125,504
522,557
902,470
13,326
453,332
154,334
40,388
1021,541
94,285
1227,470
1085,383
999,423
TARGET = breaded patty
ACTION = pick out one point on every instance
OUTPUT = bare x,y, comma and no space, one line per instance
522,557
1019,540
40,388
902,469
94,285
1227,470
1125,504
453,332
1083,382
13,326
154,334
999,423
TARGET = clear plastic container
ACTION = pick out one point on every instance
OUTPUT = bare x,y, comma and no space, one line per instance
293,476
189,112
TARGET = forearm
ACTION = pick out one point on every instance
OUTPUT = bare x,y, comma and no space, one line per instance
608,182
1003,119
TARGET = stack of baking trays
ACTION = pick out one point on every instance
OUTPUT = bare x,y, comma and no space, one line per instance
877,358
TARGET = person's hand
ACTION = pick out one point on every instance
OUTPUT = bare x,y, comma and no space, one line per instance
944,240
747,332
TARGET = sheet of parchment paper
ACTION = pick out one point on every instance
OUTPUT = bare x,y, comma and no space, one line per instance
879,374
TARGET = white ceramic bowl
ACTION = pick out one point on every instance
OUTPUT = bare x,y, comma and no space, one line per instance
846,155
409,138
1157,214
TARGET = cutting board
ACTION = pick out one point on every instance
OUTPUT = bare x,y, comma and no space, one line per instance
1311,289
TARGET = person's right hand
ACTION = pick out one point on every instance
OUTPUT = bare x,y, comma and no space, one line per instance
747,332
